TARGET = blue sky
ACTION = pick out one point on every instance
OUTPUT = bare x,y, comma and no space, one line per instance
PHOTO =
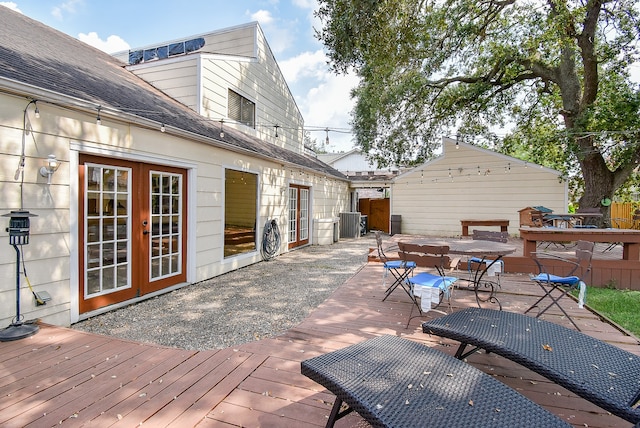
118,25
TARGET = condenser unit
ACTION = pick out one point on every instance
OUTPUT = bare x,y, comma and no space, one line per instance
349,225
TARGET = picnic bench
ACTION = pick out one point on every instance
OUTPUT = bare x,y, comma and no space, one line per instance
504,224
395,382
601,373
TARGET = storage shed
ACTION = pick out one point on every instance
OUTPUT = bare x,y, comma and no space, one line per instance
470,182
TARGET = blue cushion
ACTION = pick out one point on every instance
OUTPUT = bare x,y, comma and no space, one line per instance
399,264
426,279
546,277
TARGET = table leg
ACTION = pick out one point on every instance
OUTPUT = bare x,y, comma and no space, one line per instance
529,247
481,285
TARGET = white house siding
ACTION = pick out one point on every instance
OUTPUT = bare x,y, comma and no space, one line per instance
260,80
239,59
352,162
51,256
430,201
177,77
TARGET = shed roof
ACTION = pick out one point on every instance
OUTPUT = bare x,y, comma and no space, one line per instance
33,54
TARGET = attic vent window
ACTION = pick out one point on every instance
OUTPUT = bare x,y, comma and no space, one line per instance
166,51
241,109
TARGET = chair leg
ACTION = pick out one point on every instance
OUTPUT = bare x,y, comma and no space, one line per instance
554,301
399,281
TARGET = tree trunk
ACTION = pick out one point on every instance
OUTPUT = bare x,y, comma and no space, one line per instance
598,185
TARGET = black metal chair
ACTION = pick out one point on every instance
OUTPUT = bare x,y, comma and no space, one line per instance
551,283
398,269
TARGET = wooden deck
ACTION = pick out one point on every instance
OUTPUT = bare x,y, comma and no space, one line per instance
66,377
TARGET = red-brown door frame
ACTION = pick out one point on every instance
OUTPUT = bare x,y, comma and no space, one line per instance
139,263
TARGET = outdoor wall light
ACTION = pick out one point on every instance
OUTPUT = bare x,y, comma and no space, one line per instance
52,166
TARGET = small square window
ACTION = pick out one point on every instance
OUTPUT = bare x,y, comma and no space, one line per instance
241,109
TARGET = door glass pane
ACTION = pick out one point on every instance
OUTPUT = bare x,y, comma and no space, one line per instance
166,225
107,228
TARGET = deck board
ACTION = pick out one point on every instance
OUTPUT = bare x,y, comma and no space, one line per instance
70,378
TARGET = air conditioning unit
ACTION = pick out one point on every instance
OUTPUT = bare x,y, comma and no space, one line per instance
349,225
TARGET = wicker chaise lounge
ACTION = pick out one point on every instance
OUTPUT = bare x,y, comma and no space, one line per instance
394,382
601,373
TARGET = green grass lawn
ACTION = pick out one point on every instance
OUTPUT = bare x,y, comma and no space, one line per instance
620,306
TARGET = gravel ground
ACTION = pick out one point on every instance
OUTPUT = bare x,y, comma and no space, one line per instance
256,302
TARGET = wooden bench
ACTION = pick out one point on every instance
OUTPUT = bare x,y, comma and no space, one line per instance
395,382
504,224
601,373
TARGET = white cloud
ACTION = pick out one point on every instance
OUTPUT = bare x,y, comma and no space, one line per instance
11,5
305,4
264,17
305,65
329,105
323,97
112,44
68,6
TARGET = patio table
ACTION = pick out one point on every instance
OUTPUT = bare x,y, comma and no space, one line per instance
484,250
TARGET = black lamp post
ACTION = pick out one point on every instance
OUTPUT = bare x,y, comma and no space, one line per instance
18,235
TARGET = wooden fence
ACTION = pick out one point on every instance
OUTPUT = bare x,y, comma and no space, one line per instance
622,214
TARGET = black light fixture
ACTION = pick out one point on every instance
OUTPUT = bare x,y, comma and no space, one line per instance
162,128
98,118
18,229
221,128
276,126
326,142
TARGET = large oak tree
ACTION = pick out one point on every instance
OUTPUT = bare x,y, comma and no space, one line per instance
556,74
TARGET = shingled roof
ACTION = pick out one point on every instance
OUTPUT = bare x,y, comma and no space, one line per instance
37,55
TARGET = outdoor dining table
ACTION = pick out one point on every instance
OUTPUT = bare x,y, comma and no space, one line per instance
489,252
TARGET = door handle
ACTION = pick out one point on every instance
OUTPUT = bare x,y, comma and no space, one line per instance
144,224
145,232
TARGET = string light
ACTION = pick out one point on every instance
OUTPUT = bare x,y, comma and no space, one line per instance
326,142
162,128
98,119
221,128
276,127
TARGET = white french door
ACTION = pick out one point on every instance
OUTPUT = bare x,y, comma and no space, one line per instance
298,215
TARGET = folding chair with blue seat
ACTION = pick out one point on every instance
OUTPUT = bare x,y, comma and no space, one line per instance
563,284
430,288
399,269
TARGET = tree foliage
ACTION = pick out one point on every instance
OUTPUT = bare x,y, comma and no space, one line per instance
554,73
